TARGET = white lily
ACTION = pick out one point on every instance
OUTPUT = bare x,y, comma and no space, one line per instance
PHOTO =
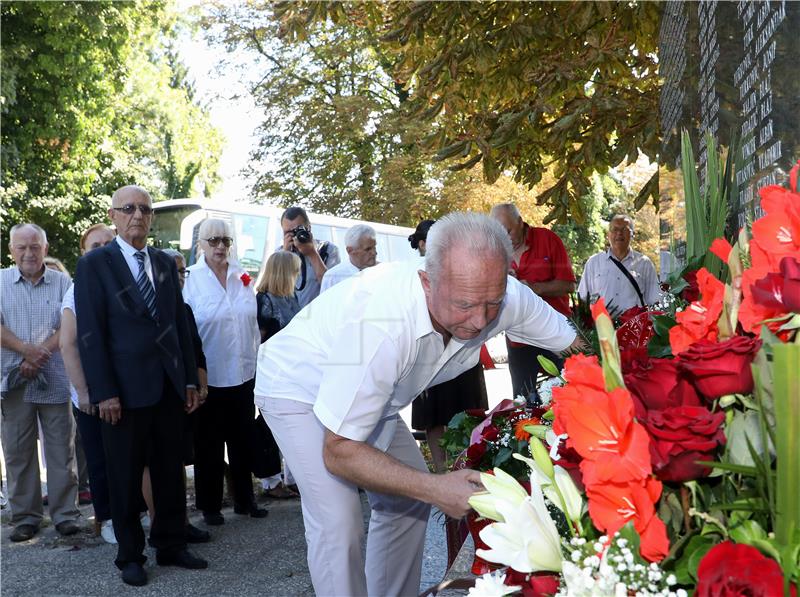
573,500
500,487
527,541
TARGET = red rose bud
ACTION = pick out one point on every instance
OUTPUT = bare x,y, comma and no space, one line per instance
720,368
679,436
246,279
490,433
692,292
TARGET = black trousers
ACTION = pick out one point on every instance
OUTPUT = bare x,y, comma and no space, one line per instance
151,435
227,418
524,367
90,428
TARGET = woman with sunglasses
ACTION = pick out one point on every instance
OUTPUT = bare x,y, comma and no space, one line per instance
224,304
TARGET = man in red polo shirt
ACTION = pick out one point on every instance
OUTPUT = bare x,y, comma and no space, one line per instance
541,263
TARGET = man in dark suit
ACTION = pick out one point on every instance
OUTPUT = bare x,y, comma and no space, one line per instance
137,355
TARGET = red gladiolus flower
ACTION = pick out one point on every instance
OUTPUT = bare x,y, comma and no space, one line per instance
612,505
246,279
721,248
699,320
777,234
600,427
734,569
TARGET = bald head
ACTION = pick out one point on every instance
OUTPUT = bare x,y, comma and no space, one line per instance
132,214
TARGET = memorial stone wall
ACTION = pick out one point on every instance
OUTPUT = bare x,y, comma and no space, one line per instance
731,69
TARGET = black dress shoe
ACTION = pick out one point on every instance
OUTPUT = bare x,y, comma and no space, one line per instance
23,532
194,535
182,558
252,510
67,527
133,574
213,518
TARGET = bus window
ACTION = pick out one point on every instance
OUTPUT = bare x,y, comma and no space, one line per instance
165,231
382,246
251,240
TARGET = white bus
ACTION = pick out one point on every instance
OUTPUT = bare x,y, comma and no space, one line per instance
257,230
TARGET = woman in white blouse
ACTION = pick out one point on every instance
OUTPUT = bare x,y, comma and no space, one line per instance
224,303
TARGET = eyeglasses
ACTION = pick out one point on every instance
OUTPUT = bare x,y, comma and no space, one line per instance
215,240
183,272
129,209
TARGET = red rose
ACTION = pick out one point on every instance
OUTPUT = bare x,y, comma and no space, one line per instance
681,435
692,292
246,279
655,384
730,569
720,368
474,454
490,433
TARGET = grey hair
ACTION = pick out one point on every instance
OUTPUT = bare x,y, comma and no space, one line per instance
174,253
625,217
356,233
210,223
479,233
16,228
508,208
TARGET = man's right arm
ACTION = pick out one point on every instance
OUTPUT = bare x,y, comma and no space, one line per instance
93,333
37,355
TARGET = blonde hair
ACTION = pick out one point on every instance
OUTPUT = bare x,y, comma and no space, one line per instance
56,264
279,275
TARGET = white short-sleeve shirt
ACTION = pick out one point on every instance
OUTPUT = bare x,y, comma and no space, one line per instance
226,321
365,349
337,274
602,278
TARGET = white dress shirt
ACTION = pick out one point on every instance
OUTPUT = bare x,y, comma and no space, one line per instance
365,349
128,252
226,320
602,278
338,273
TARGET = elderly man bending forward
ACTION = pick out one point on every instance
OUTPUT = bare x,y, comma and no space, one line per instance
332,402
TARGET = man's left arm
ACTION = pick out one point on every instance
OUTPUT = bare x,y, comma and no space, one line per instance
530,320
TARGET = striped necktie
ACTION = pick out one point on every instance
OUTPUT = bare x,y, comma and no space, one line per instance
145,286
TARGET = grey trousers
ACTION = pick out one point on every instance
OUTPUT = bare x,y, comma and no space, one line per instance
19,434
334,521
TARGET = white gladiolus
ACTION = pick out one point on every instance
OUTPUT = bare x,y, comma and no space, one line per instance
572,497
527,541
492,585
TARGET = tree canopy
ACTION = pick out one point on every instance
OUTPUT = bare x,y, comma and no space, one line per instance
93,98
518,86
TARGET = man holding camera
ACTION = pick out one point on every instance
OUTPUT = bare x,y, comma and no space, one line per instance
315,257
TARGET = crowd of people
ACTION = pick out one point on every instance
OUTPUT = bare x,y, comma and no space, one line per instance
161,365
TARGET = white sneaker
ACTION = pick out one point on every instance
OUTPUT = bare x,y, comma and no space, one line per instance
107,532
145,520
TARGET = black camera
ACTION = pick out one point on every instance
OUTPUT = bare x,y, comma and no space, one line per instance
302,234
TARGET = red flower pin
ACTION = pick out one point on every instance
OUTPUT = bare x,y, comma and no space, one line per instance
246,279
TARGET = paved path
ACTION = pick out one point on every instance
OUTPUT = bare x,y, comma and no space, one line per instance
247,556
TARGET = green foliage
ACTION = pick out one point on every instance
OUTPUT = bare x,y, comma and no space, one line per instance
93,98
706,211
517,86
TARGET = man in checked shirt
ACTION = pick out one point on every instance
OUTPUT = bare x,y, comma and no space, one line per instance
35,388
